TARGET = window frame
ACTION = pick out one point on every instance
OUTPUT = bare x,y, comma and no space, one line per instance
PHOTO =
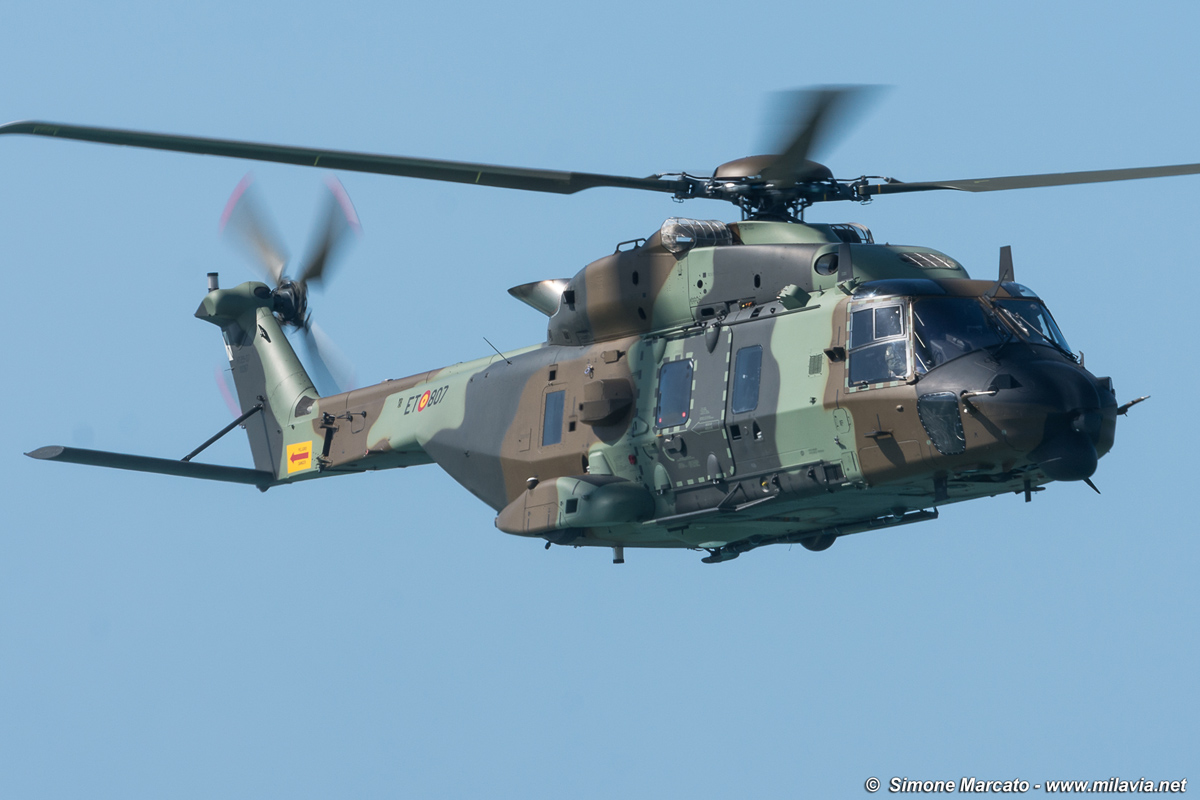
905,336
658,393
561,394
733,390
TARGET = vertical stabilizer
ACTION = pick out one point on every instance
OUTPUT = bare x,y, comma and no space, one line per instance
265,368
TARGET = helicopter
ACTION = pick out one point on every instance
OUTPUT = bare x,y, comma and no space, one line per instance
716,386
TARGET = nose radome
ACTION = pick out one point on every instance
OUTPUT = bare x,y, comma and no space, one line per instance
1051,410
1068,451
1044,407
1067,456
1075,389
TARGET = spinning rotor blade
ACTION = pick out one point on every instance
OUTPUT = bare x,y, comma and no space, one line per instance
220,374
245,221
533,180
816,115
330,370
796,180
328,364
1034,181
340,219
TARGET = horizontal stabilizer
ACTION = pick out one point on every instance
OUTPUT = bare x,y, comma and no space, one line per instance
163,466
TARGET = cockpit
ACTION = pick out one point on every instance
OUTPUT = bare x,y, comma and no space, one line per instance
904,328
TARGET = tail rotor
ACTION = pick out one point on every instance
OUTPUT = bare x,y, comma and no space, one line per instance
248,227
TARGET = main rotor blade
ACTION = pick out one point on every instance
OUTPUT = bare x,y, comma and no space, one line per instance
816,114
340,218
1034,181
533,180
245,221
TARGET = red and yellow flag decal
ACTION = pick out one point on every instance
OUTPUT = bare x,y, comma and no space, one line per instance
299,456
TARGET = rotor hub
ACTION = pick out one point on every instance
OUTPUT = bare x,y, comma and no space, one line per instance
290,302
759,167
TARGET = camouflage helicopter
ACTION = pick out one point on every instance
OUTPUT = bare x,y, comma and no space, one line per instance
713,386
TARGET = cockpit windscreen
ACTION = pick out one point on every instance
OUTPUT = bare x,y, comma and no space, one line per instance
1037,322
948,327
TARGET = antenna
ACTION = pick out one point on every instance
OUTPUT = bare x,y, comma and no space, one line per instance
506,361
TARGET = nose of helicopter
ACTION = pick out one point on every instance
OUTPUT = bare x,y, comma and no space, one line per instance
1051,410
1067,414
1072,438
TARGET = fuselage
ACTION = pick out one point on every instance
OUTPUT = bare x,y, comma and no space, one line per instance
757,383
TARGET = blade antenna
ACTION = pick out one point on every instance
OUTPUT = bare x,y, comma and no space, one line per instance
506,361
1006,271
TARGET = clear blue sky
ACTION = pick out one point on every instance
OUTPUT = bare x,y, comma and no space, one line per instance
375,636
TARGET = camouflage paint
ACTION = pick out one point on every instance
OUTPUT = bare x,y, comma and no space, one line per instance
812,458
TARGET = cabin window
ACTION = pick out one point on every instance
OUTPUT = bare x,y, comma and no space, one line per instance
747,369
552,421
674,394
878,346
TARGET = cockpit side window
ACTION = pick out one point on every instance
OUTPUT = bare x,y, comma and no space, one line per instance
878,346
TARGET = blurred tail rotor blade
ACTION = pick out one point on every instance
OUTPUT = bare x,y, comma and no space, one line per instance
330,369
340,219
807,119
245,221
221,376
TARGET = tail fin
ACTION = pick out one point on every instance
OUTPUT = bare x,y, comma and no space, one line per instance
265,369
